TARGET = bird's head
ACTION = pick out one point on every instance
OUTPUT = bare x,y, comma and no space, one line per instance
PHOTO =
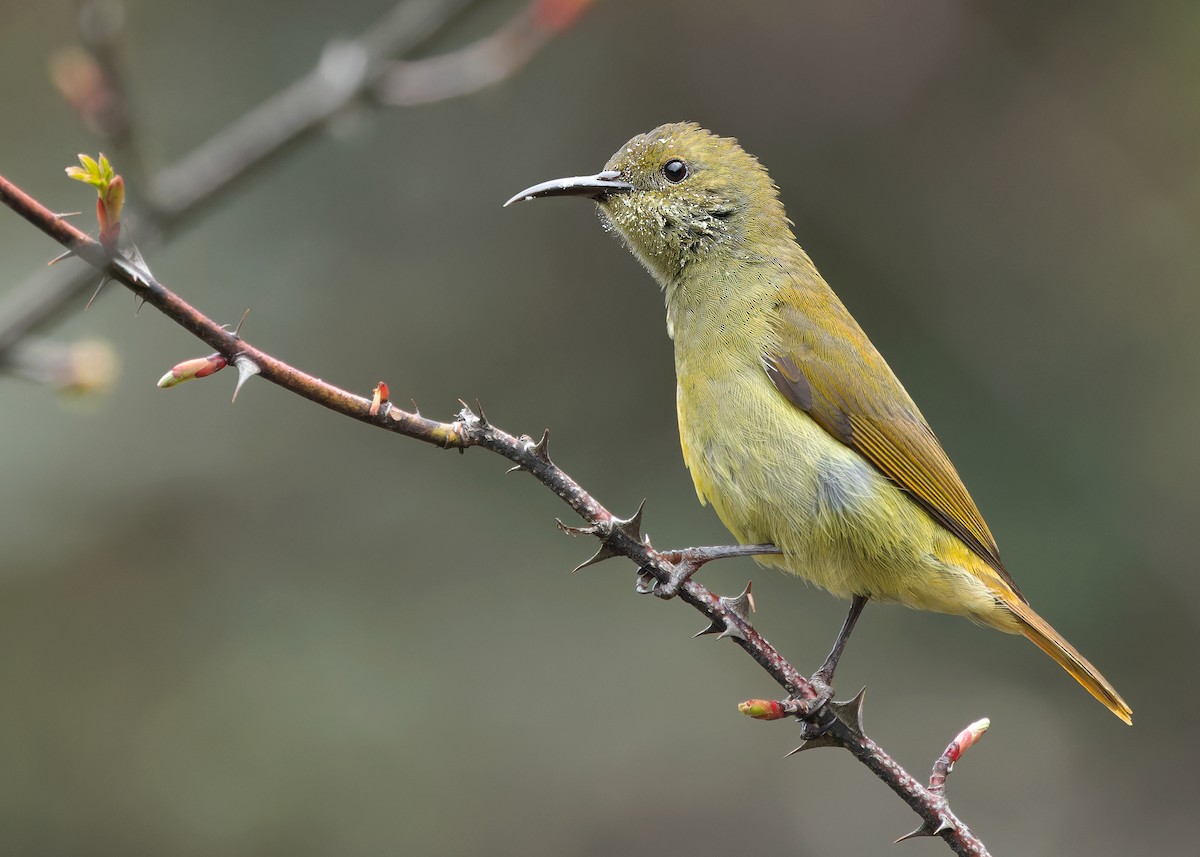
681,196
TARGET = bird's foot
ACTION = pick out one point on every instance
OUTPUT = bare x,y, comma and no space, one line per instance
684,563
819,718
687,561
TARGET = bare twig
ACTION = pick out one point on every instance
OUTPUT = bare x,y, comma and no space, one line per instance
348,72
962,742
344,73
101,28
484,63
834,725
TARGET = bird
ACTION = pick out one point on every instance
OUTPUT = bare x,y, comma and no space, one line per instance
792,425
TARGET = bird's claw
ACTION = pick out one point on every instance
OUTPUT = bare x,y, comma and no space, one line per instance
682,563
820,716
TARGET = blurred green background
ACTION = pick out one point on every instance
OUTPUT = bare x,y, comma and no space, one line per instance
264,629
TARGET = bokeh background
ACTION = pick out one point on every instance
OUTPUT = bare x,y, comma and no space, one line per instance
263,629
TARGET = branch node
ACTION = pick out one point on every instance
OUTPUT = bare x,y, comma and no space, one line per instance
818,721
343,66
467,423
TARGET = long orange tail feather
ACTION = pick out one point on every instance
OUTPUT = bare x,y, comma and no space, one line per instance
1040,633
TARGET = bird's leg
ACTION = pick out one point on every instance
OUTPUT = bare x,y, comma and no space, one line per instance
822,679
687,561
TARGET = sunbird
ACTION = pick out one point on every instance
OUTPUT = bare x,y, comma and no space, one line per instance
792,424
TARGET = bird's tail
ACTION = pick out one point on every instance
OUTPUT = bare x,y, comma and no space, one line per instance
1040,633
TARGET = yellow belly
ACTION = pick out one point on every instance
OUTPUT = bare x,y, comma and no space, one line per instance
840,522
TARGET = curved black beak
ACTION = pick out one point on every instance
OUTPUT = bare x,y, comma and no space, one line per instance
596,187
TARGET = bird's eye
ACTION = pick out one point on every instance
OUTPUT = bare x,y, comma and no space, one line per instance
675,170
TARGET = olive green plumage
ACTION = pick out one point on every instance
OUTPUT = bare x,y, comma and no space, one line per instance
792,424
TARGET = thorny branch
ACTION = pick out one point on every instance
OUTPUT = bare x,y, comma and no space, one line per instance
834,725
372,69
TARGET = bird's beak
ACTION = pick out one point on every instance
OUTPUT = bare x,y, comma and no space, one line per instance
597,187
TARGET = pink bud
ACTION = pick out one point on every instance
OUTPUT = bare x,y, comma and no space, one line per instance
197,367
762,709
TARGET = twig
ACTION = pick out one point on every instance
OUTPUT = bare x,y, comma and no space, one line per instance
347,72
962,742
484,63
101,27
835,725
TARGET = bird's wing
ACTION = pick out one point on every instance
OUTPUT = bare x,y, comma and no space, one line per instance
874,416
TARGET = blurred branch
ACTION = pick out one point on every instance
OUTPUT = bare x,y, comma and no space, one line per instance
92,80
86,366
348,73
836,724
345,73
484,63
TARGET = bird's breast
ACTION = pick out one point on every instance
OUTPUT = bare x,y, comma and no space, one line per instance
773,475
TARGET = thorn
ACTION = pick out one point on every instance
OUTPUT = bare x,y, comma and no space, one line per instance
850,711
541,449
605,552
237,331
513,469
96,294
67,255
416,410
631,527
483,420
822,740
246,368
920,831
731,631
944,824
137,264
466,414
63,215
141,302
742,605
